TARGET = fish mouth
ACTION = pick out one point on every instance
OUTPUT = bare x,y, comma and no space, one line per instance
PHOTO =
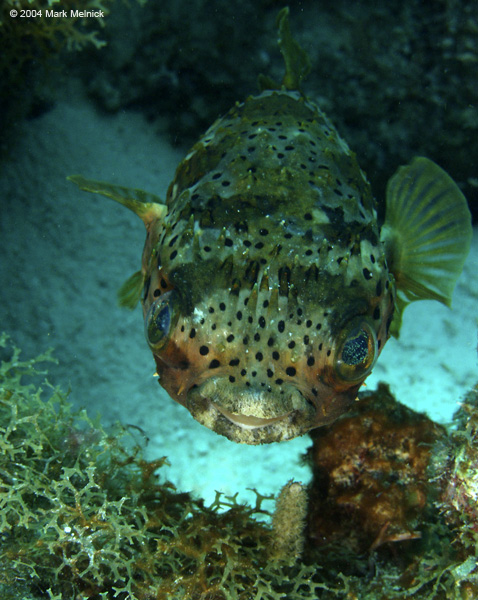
249,415
247,421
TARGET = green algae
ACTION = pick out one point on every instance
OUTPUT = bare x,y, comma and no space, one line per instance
83,515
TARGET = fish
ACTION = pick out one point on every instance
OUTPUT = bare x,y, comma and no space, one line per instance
268,286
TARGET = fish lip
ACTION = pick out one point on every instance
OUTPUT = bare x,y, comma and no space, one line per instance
248,421
265,426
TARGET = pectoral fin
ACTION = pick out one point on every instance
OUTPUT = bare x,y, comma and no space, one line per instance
149,209
427,234
129,293
147,206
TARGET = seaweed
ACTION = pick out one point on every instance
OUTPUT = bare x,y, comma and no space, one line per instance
84,515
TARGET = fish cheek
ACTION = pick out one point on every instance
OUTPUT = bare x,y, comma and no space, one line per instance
172,365
382,314
333,400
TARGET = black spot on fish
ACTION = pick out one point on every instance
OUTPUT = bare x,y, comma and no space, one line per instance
367,274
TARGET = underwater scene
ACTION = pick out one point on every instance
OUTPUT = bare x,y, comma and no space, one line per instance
256,379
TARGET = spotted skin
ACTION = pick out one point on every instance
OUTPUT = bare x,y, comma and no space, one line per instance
268,257
268,289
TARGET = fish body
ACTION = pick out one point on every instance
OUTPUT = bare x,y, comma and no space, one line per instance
268,288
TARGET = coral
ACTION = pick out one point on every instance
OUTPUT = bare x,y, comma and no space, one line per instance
31,36
370,482
39,31
455,468
181,66
382,473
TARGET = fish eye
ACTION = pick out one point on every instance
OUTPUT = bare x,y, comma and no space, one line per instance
357,351
159,317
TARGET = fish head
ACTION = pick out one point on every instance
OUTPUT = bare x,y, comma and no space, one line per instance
264,353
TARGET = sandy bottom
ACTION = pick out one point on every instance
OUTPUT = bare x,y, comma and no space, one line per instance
64,254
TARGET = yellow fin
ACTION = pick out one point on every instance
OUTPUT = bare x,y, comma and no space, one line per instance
147,206
130,292
427,234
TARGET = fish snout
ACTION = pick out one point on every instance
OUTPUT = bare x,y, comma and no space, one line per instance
257,415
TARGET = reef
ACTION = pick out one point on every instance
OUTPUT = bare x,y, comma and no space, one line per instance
370,475
455,472
390,512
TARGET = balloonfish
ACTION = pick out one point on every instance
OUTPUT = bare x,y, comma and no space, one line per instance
268,287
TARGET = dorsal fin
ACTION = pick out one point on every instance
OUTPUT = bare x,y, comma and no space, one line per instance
296,59
297,62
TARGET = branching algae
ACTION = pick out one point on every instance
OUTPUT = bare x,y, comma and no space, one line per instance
83,515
